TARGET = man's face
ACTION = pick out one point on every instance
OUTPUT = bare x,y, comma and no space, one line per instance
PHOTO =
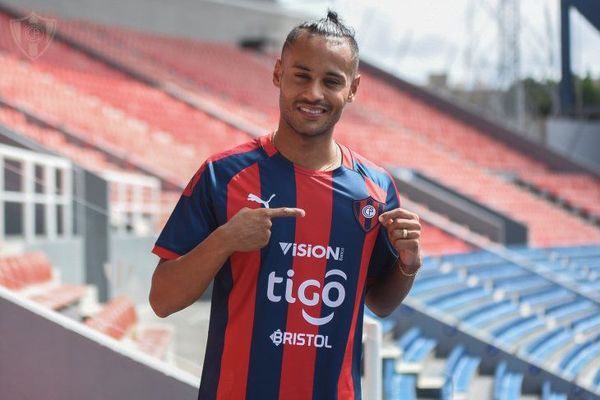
316,79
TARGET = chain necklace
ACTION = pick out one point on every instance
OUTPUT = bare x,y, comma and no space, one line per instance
328,167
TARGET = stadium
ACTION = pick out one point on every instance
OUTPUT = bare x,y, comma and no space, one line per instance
107,110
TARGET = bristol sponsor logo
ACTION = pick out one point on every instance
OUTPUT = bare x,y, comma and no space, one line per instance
314,251
299,339
332,293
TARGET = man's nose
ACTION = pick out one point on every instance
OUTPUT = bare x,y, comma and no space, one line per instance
314,91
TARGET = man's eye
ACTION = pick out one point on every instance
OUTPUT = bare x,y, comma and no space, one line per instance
302,76
331,82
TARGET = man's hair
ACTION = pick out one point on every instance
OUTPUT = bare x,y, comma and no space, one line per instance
330,26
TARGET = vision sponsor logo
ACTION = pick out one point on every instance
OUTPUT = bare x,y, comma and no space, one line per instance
299,339
314,251
309,293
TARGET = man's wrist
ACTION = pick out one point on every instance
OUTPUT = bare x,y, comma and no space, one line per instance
221,237
409,270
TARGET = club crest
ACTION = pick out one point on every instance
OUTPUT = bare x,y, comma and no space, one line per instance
367,212
33,34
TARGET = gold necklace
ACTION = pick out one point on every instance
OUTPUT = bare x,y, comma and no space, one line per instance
328,167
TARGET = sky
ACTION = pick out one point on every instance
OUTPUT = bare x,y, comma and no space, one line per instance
461,37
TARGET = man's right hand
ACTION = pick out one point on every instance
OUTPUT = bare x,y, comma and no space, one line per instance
250,229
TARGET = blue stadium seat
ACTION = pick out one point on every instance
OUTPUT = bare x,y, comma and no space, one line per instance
587,323
548,394
408,337
552,294
504,270
576,251
516,328
530,253
507,385
544,350
483,315
597,380
524,283
465,371
454,299
575,306
433,282
419,350
397,386
579,357
473,258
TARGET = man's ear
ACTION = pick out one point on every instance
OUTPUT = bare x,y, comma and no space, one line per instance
277,73
353,88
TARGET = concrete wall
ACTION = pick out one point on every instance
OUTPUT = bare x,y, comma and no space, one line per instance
44,355
577,140
130,266
67,256
213,20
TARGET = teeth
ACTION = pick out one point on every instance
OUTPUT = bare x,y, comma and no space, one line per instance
314,111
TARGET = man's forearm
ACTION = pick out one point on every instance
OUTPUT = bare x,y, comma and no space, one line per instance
386,294
179,282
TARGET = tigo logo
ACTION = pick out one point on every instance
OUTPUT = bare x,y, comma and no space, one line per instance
309,250
309,293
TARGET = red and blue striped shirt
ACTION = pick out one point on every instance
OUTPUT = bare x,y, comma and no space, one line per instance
286,320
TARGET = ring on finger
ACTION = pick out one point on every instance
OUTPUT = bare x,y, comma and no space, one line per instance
404,233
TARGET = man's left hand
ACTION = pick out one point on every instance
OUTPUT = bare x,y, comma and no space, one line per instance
404,231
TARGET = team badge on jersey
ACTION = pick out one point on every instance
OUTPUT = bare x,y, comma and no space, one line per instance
367,212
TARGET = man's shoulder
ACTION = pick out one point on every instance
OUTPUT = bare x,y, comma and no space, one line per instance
362,164
228,161
244,148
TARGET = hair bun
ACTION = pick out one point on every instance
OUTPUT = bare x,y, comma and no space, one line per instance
332,16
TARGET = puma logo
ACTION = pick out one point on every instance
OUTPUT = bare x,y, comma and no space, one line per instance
256,199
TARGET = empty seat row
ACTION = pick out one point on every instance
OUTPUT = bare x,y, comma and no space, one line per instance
32,274
118,319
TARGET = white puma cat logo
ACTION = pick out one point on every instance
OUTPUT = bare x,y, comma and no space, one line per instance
256,199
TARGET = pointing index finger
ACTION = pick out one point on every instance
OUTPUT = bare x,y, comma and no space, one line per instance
284,212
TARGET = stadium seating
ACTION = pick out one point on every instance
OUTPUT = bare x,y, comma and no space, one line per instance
32,275
118,319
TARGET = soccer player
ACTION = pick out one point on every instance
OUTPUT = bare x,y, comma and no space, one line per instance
296,232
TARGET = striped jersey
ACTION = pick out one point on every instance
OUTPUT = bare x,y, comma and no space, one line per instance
286,320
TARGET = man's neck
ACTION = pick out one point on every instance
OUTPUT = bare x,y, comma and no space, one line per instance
314,153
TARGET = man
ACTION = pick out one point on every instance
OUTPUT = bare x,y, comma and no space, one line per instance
297,232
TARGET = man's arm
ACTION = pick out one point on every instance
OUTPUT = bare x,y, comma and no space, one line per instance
404,233
179,282
388,292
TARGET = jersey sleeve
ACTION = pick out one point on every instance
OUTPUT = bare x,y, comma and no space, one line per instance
384,255
192,219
